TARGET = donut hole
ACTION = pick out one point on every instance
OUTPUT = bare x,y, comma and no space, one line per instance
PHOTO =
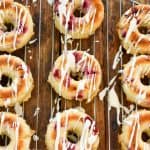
78,12
4,140
146,136
145,80
72,137
5,80
144,30
8,26
76,75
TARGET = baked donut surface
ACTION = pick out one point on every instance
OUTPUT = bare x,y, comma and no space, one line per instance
16,26
135,131
17,130
76,75
72,130
16,82
134,72
134,29
90,17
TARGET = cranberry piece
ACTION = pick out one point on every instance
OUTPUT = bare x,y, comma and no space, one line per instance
80,95
56,4
77,56
71,23
124,33
85,4
25,29
66,82
88,71
56,73
134,10
95,129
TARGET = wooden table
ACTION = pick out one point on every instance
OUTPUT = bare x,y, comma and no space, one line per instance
41,55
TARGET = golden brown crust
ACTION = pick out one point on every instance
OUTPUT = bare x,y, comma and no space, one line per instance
132,39
136,69
17,130
133,127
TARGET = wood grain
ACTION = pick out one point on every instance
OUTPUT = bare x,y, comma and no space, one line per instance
41,55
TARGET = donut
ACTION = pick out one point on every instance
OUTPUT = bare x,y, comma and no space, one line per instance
16,26
134,29
72,130
135,131
80,19
76,75
133,74
16,82
16,130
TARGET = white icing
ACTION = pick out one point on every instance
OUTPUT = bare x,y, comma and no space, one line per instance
132,27
51,2
117,58
18,109
80,87
33,41
37,110
35,138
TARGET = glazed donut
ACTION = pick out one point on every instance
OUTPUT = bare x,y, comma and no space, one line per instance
133,29
72,130
16,26
16,82
76,75
17,130
134,71
135,131
78,27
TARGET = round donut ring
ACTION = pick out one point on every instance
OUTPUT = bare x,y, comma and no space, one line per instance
71,64
19,81
135,131
72,129
78,27
135,70
17,130
16,26
133,29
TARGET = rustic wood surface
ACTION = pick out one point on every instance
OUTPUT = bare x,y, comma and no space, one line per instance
41,55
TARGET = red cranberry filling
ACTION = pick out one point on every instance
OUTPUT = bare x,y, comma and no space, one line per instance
56,4
78,56
22,28
86,4
134,10
124,34
71,23
89,71
57,74
95,129
80,95
66,82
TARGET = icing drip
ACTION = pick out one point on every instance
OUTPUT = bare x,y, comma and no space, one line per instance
113,102
117,58
18,109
